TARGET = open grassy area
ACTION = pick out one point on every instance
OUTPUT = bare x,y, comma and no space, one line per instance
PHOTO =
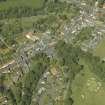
20,3
100,49
87,88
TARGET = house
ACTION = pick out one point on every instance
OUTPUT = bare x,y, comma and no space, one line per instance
32,37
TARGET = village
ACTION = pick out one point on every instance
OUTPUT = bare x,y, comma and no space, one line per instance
51,87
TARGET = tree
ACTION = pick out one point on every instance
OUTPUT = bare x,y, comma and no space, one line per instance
39,65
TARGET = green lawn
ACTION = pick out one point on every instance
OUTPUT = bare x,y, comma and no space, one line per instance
17,3
87,88
100,49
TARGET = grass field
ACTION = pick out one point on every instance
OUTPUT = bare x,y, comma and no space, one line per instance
88,89
17,3
100,49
